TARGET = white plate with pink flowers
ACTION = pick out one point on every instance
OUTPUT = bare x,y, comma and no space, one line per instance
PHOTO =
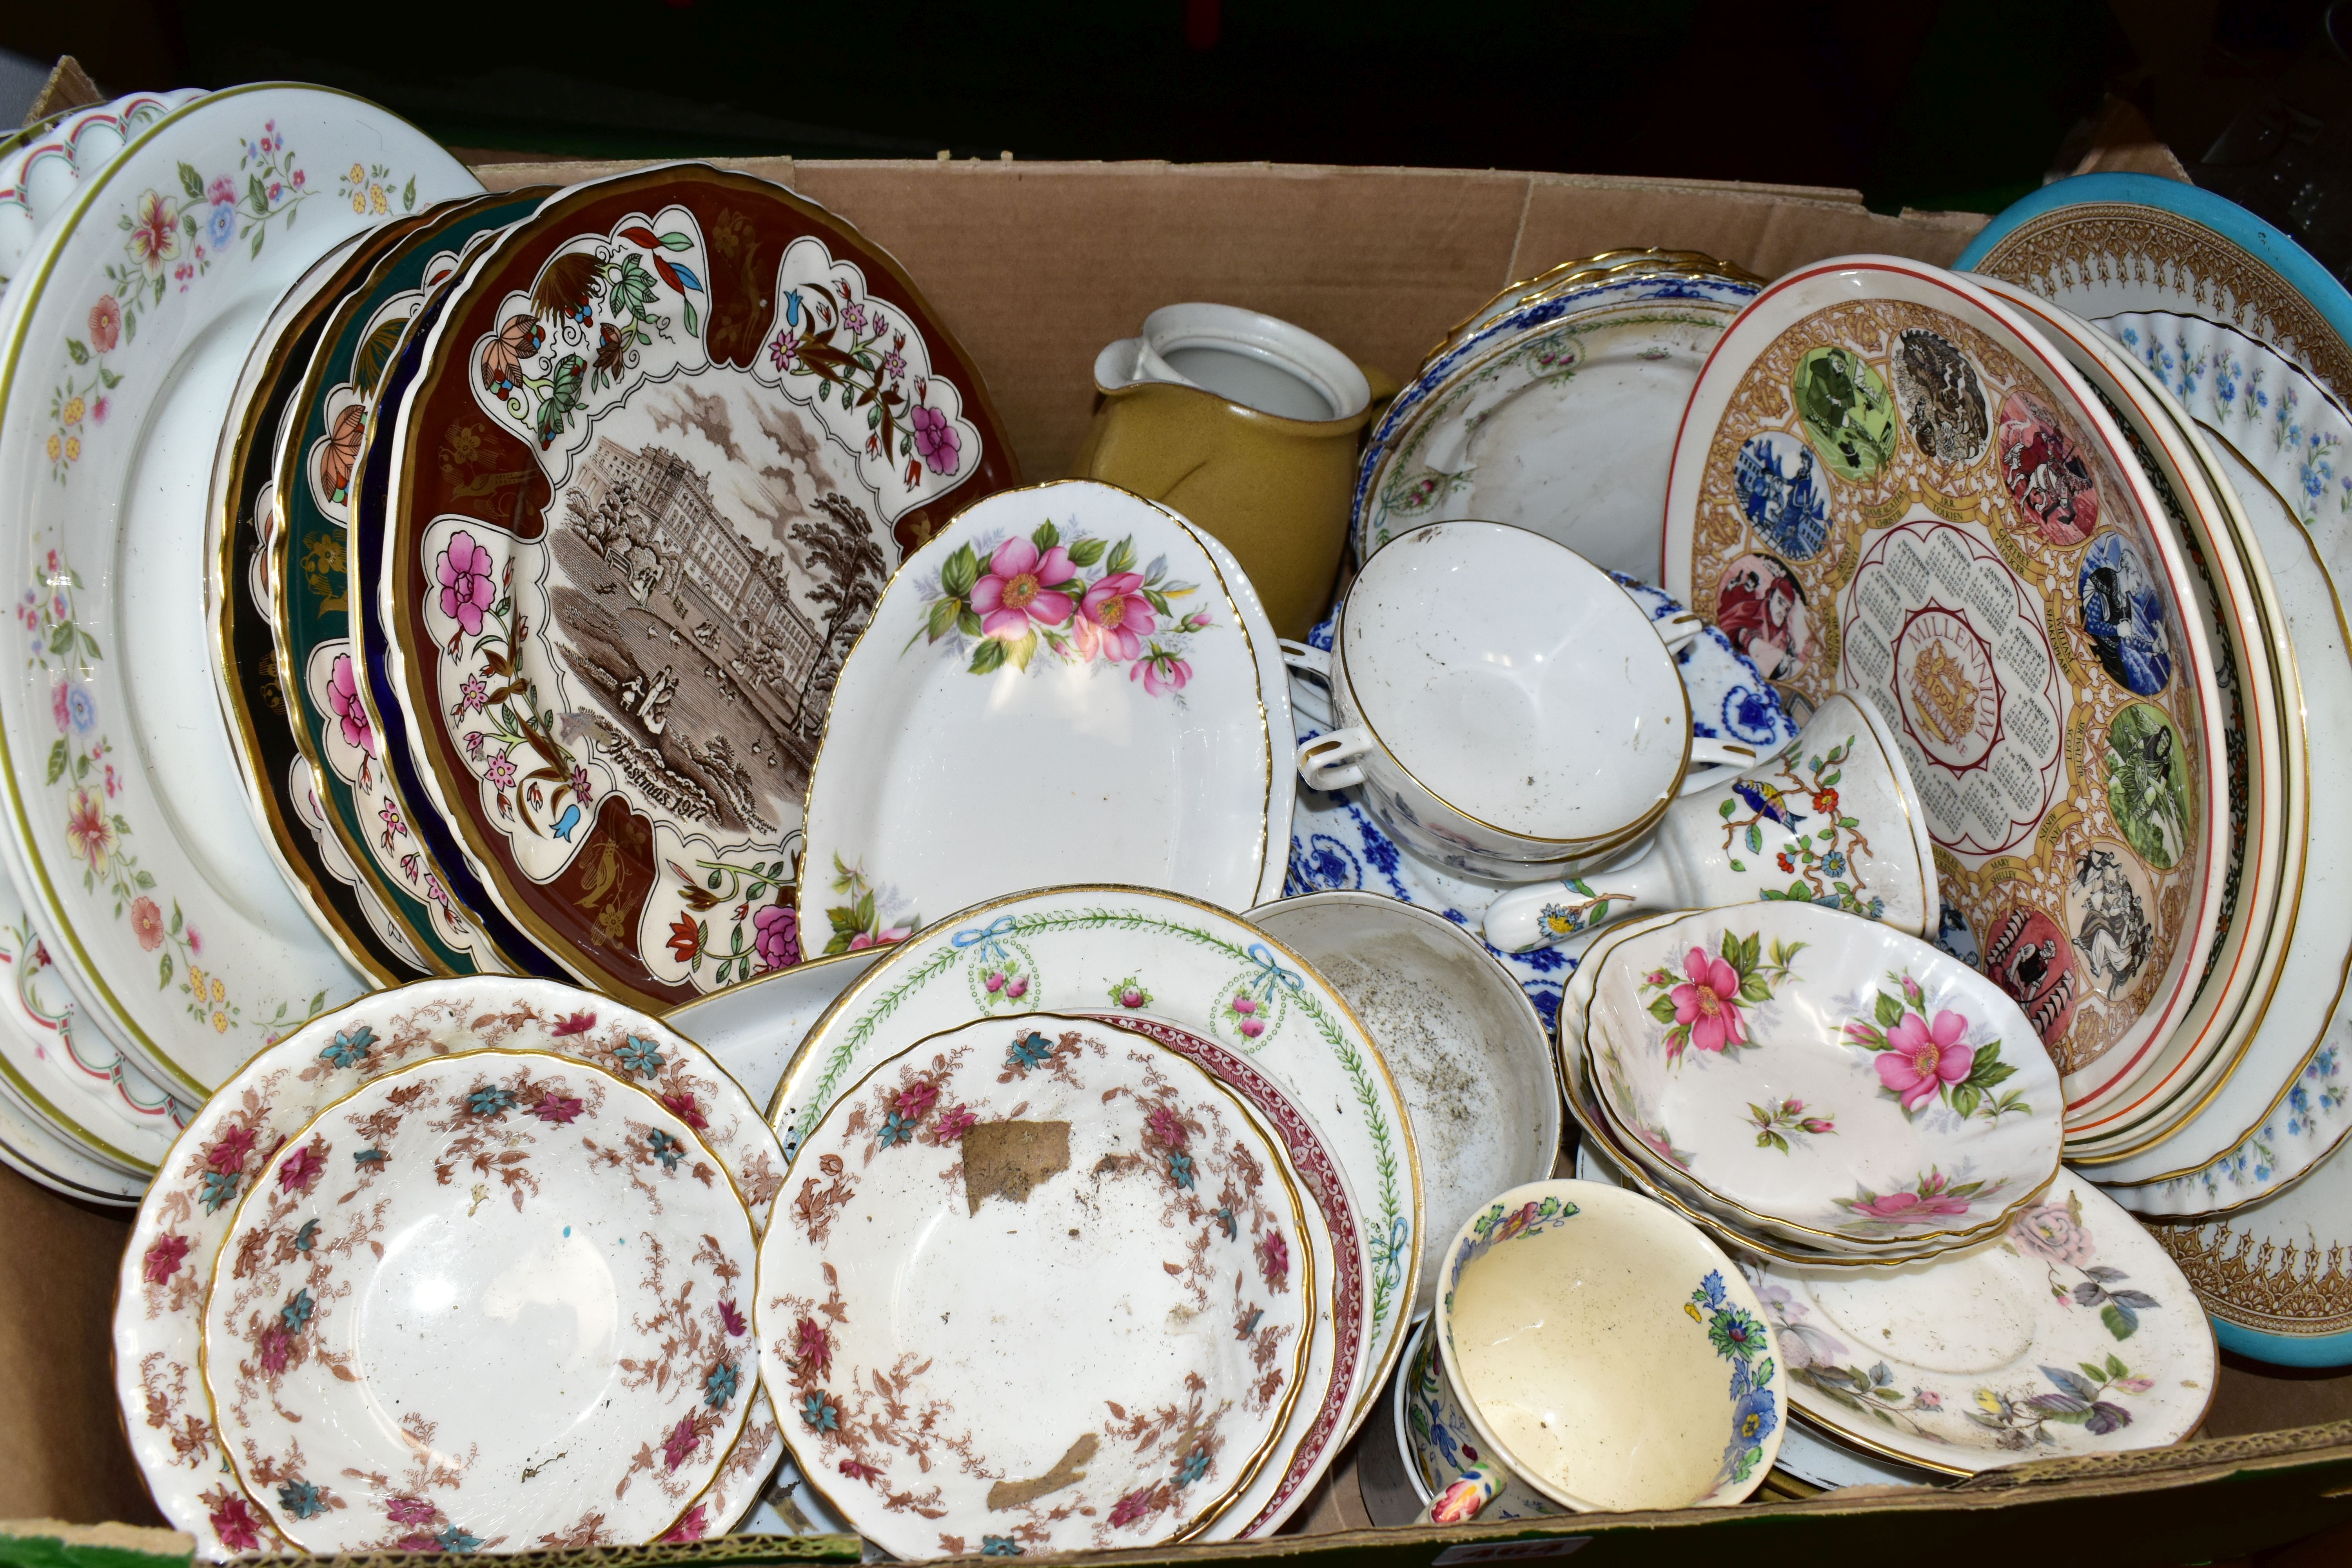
1822,1079
2070,1333
1060,686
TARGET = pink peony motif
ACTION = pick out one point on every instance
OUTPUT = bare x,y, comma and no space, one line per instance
2053,1232
229,1151
154,241
464,572
1244,1005
163,1258
1167,1128
693,1527
1922,1059
936,441
811,1348
889,935
1251,1027
224,189
1120,615
105,324
1910,1209
303,1167
683,1439
343,697
1707,1002
1023,585
146,923
1274,1260
277,1349
776,936
237,1524
409,1510
1161,672
1460,1503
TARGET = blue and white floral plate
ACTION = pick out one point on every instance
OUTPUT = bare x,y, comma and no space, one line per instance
1336,845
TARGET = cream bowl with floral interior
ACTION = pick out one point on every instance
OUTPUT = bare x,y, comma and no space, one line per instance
1595,1351
1822,1079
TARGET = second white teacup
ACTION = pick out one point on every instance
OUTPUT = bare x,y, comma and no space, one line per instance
1507,710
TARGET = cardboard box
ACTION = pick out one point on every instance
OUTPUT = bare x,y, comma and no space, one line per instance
1035,266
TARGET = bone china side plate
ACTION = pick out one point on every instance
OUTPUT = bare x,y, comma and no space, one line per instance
1058,688
1910,496
670,437
130,835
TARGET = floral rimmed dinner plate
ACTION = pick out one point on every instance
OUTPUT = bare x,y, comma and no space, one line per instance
130,837
1092,626
328,720
1337,846
31,1149
188,1211
1158,957
2266,425
557,1232
983,1171
2072,1333
2268,777
39,173
1846,1087
240,516
1556,415
2099,245
680,425
1893,469
63,1069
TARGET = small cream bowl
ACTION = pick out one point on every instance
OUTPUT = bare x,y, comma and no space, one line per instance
1595,1351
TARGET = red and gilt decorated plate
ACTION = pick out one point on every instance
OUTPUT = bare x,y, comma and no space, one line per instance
670,438
1888,484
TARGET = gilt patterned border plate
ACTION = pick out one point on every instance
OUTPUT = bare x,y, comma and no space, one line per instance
329,721
1091,625
129,832
672,434
1917,500
547,1226
187,1212
2275,1275
241,515
971,1180
1157,957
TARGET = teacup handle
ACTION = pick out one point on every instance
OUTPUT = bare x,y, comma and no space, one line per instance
1306,659
1327,763
1461,1502
1706,749
1677,631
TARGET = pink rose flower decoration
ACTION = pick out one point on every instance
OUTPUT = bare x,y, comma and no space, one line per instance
464,571
2050,1231
776,936
1708,1002
1923,1057
1023,585
1167,1128
1931,1202
343,697
885,937
1161,672
1120,615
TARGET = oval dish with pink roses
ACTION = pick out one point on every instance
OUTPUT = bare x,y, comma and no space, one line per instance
1822,1079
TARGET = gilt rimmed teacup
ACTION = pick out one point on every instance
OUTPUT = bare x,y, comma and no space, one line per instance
1507,708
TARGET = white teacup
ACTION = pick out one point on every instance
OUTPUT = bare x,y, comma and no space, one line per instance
1594,1351
1507,710
1833,819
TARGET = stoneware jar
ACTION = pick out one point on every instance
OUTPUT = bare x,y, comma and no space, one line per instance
1509,710
1593,1352
1250,427
1832,820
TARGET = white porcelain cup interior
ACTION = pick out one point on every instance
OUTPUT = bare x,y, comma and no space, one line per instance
1514,680
1257,361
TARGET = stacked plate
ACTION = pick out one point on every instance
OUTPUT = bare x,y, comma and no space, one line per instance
1141,1109
2227,354
554,1191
